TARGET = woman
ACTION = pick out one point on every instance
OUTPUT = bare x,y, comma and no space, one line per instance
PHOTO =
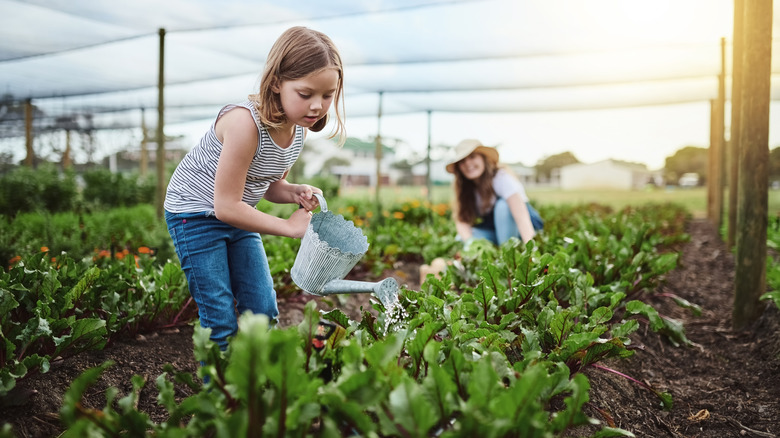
490,202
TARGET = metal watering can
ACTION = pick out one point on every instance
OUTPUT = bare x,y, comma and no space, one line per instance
329,249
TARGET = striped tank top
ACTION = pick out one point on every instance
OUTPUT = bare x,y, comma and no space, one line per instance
191,188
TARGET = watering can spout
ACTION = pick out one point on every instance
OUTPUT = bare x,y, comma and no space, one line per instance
388,286
386,290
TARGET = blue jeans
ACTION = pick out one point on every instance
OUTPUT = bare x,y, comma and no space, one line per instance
504,224
227,271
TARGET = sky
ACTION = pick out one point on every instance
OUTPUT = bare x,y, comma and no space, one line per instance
647,134
622,79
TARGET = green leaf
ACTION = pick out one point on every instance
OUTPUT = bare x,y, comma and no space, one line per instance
410,410
85,334
382,354
337,316
602,315
774,296
573,415
483,384
440,391
625,328
72,398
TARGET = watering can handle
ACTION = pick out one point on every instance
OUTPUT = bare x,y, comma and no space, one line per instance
323,204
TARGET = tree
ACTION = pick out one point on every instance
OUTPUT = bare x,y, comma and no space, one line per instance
690,159
546,165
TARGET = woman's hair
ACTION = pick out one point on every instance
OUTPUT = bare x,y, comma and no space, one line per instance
299,52
466,209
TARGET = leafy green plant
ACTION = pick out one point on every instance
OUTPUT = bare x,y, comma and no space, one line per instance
57,307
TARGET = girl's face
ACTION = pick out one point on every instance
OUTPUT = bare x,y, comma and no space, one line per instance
308,99
473,166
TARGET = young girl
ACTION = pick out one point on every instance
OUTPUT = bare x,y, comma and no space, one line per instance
490,202
245,157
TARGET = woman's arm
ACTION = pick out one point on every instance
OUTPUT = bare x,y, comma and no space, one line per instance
463,229
238,133
522,217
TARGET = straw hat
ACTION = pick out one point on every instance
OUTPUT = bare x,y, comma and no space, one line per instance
466,147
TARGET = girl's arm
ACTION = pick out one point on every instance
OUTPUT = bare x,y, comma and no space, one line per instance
284,192
522,217
238,133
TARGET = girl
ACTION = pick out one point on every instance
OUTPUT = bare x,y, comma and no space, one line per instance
490,202
245,157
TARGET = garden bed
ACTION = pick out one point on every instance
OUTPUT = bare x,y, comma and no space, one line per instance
727,384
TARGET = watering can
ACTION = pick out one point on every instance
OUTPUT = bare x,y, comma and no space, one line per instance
329,249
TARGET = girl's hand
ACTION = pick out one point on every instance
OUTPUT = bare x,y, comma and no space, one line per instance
305,196
298,222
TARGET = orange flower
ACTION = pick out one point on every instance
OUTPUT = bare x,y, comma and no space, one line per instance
398,215
144,250
14,259
44,249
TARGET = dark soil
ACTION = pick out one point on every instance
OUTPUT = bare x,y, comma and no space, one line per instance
726,385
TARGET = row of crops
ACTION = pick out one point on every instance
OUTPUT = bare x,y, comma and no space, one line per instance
494,347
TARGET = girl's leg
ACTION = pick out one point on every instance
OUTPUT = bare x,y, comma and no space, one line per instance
250,275
506,227
201,244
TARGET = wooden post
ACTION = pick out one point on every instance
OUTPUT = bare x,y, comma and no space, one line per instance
144,145
66,161
378,156
711,157
750,278
161,180
429,178
29,160
736,122
720,141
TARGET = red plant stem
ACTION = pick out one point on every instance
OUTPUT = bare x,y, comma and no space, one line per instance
603,368
176,318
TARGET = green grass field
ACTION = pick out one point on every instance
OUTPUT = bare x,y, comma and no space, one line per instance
694,199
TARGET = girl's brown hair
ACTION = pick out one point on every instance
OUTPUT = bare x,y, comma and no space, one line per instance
297,53
466,208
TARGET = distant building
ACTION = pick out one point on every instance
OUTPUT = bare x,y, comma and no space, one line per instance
129,160
527,175
607,174
439,174
689,180
354,163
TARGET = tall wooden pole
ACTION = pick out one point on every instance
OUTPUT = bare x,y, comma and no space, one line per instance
736,121
720,141
712,154
378,156
66,160
429,177
750,278
29,160
160,160
144,145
